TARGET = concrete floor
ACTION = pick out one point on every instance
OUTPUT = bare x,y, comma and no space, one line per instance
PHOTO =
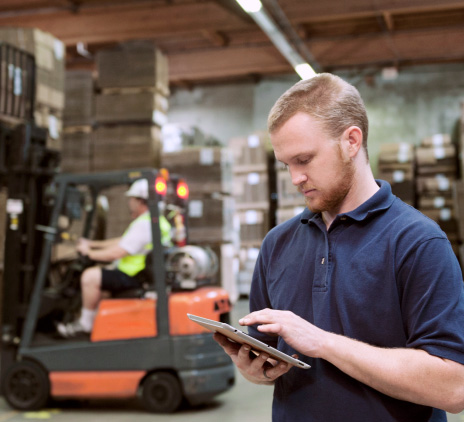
244,402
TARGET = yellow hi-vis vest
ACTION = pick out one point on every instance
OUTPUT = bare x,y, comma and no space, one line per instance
133,264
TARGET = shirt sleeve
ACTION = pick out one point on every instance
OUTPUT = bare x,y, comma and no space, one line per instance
432,300
136,238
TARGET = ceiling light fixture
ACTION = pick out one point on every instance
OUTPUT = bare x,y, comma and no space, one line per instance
255,9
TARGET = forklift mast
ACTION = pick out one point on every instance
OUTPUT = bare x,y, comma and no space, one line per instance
27,168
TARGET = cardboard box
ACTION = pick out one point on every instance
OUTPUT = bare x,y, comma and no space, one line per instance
251,153
400,152
434,185
437,140
251,190
80,103
133,64
206,170
287,193
49,53
139,107
125,147
458,206
77,152
211,219
437,155
254,225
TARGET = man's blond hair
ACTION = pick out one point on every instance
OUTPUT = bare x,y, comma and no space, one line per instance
326,97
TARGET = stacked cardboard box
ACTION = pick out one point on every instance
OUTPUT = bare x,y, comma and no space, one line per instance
211,211
78,120
290,202
208,173
397,166
49,53
436,159
130,107
254,182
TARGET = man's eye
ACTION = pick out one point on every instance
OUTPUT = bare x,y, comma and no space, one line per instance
302,162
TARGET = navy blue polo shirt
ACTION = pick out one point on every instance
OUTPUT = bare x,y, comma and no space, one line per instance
383,274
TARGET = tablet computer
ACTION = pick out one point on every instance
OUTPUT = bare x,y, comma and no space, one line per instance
240,337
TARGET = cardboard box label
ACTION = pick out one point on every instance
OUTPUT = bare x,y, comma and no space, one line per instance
445,214
206,156
253,178
439,202
195,208
398,176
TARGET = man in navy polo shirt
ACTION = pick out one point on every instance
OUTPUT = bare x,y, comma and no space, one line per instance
361,286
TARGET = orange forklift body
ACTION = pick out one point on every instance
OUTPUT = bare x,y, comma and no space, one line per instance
121,319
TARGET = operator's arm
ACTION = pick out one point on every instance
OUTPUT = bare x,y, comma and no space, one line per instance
110,252
98,244
406,374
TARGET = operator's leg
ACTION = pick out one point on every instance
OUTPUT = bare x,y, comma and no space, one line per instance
91,280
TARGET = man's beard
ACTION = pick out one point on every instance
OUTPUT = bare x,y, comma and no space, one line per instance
332,199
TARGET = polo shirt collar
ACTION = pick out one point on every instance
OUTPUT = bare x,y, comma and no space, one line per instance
380,201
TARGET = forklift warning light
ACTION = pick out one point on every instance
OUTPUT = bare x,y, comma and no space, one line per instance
160,185
182,190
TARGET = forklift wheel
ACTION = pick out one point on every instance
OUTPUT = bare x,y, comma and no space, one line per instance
26,386
161,393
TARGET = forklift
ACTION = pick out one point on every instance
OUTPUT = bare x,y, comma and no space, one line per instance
142,344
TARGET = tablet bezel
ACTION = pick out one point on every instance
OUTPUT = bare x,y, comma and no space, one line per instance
243,338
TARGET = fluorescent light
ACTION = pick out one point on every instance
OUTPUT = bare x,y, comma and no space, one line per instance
305,71
250,6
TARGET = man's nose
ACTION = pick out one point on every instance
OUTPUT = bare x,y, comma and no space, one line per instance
297,177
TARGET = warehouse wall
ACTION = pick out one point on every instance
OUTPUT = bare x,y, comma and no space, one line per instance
420,102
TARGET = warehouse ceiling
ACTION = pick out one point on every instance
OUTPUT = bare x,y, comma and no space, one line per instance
215,41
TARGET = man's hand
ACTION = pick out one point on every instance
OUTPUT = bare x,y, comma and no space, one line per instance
83,246
298,333
259,369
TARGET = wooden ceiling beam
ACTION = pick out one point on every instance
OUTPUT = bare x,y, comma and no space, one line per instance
314,11
130,21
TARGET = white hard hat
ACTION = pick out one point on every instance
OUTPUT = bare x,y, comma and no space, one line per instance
138,189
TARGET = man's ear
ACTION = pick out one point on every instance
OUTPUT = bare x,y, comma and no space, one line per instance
352,139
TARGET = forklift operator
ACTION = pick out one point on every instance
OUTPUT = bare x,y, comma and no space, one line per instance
129,251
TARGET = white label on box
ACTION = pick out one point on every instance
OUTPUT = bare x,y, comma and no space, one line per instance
403,152
206,156
253,141
252,253
14,206
439,202
438,139
398,176
443,182
11,71
445,214
439,153
251,217
159,118
53,127
18,82
58,48
253,178
195,208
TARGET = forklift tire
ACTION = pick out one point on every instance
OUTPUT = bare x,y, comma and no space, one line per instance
26,386
161,393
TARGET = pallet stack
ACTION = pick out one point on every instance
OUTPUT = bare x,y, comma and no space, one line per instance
254,182
131,106
49,53
208,173
131,102
437,171
290,202
397,166
78,122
